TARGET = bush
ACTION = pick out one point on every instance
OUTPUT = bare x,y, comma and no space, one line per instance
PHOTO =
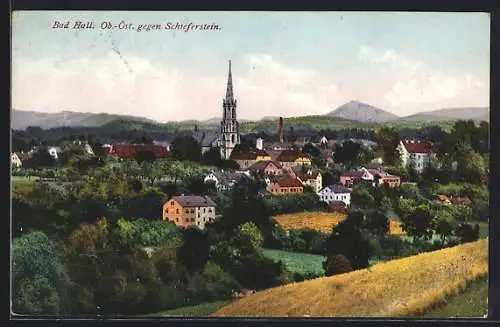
336,264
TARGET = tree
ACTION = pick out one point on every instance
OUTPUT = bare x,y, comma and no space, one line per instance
419,223
193,253
336,264
185,148
361,198
347,153
39,279
145,156
444,228
377,222
480,210
388,140
346,239
466,233
212,157
252,231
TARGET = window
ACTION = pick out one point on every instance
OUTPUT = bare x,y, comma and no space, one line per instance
192,220
210,210
187,210
199,215
204,210
177,211
166,210
177,220
172,203
192,210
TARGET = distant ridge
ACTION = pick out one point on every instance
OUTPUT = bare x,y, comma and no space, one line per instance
359,111
21,119
474,113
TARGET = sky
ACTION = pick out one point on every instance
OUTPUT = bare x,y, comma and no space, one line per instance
283,63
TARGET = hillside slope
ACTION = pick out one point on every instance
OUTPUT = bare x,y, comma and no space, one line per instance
355,110
21,119
474,113
405,287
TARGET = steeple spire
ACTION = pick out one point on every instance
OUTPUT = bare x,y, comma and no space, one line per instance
229,90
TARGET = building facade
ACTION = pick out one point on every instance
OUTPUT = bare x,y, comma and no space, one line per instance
266,167
282,186
417,153
186,211
308,178
229,128
332,193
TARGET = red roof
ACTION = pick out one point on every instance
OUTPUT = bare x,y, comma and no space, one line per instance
307,175
249,155
130,150
290,155
413,146
288,182
353,174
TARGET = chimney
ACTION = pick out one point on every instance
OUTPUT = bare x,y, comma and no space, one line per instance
281,130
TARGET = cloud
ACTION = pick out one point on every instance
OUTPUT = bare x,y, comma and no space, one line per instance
132,85
414,83
263,84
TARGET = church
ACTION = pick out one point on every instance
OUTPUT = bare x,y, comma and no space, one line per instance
229,135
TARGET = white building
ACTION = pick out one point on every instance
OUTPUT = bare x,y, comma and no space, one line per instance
88,149
416,152
53,151
335,193
15,161
259,144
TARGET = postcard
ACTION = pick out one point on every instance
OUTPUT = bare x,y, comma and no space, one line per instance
249,164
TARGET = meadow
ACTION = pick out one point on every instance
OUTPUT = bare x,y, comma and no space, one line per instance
200,310
411,286
323,221
301,263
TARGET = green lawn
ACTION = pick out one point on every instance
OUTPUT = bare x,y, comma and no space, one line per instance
483,229
200,310
301,263
473,303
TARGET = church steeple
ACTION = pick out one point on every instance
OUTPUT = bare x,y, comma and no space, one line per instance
229,90
229,130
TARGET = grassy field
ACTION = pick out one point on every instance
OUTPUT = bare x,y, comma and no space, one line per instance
200,310
301,263
410,286
472,303
322,221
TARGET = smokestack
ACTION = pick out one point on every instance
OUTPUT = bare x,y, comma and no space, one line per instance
281,130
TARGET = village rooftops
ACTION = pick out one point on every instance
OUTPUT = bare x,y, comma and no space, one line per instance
251,155
261,165
353,174
291,156
309,174
287,182
417,146
339,188
192,201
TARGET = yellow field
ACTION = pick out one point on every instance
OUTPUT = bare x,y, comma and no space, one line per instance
322,221
404,287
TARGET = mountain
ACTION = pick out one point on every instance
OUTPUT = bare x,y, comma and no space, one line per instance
475,113
21,119
355,110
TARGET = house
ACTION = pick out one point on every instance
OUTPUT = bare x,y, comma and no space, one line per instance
88,149
348,178
259,144
267,167
246,159
293,158
54,151
224,180
443,198
278,146
417,152
285,185
15,161
189,210
337,206
385,178
336,192
460,200
323,141
308,178
131,150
